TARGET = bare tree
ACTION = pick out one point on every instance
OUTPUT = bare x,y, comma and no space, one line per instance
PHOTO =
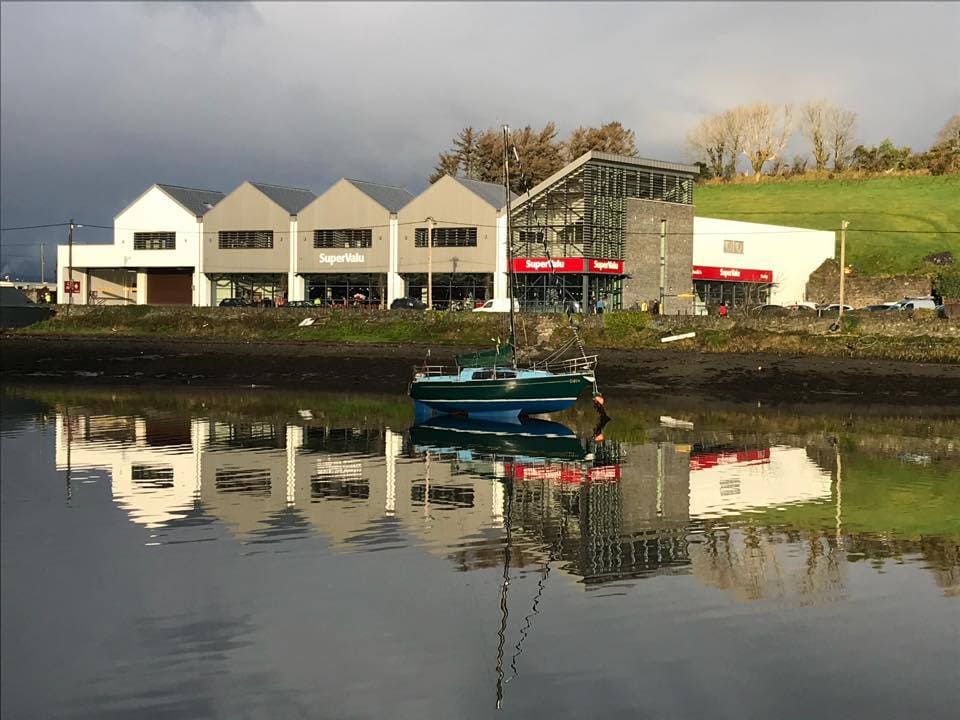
717,140
766,130
813,121
950,133
840,126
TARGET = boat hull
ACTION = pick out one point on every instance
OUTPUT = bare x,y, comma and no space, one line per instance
501,398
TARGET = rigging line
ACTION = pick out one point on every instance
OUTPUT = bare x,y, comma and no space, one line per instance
534,610
504,611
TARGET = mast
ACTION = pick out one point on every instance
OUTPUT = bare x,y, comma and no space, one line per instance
506,186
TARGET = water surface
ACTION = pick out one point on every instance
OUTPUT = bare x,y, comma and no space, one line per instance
265,556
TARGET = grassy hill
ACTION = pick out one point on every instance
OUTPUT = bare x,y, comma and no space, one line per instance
919,211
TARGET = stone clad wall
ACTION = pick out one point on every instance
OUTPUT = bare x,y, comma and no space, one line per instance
824,287
642,254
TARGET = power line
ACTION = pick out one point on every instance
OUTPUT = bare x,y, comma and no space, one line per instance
34,227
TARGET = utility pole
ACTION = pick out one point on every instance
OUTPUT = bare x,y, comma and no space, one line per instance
70,265
429,263
663,263
843,263
42,281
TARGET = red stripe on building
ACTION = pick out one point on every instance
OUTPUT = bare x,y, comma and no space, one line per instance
731,274
568,265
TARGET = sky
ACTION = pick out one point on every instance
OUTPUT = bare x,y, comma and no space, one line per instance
100,100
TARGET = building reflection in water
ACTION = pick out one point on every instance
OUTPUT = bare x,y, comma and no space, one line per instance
603,511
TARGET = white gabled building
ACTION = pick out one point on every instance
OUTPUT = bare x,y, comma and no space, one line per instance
156,255
734,260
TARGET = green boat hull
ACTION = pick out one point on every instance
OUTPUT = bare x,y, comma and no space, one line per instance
509,396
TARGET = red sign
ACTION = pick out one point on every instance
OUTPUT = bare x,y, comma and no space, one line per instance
702,461
71,286
730,274
567,265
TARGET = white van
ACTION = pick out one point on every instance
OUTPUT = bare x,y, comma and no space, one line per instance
926,303
499,305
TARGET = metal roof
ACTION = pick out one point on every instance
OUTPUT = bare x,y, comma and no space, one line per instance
293,200
390,197
195,200
682,168
493,193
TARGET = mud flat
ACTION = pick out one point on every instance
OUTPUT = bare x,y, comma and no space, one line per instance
678,375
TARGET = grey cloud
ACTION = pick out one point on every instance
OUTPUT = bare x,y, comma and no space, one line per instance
99,100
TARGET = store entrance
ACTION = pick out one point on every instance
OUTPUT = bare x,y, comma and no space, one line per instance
710,294
368,289
550,292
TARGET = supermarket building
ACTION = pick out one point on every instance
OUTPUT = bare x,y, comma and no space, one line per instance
605,226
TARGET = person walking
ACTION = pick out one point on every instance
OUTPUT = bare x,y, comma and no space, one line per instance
600,305
722,312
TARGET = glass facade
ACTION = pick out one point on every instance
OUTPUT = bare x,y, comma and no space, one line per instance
711,293
368,289
465,288
257,288
583,215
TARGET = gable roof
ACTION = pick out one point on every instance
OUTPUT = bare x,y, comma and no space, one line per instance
293,200
390,197
493,193
195,200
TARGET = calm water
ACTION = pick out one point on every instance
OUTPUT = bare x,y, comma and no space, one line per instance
276,556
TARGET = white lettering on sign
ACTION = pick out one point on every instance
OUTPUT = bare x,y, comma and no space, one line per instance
606,265
729,272
341,258
543,264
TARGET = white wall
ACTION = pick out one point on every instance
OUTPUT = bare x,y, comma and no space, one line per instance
155,211
791,253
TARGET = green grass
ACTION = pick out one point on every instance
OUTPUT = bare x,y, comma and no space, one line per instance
903,205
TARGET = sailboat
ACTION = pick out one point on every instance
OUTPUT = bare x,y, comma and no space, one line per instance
490,385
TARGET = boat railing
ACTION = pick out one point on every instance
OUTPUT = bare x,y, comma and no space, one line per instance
431,370
572,365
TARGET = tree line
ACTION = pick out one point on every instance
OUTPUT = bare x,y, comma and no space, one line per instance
478,155
760,133
757,134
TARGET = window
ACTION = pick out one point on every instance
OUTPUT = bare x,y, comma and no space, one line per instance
447,237
343,238
733,246
154,240
246,239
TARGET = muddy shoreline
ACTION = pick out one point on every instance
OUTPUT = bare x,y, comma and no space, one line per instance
635,374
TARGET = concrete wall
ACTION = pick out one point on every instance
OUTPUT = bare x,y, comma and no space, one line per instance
451,205
642,254
791,253
343,206
246,208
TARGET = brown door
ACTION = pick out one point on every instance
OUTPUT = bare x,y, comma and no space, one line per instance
170,288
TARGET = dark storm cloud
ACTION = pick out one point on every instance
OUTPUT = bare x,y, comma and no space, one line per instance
99,100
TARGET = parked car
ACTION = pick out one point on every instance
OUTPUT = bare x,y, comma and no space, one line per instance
235,302
299,304
498,305
881,307
833,308
909,304
407,303
769,311
802,309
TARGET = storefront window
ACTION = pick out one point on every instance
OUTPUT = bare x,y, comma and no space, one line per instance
711,293
451,288
256,288
360,288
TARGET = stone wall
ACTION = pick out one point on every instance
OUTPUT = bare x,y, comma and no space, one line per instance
824,287
642,254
